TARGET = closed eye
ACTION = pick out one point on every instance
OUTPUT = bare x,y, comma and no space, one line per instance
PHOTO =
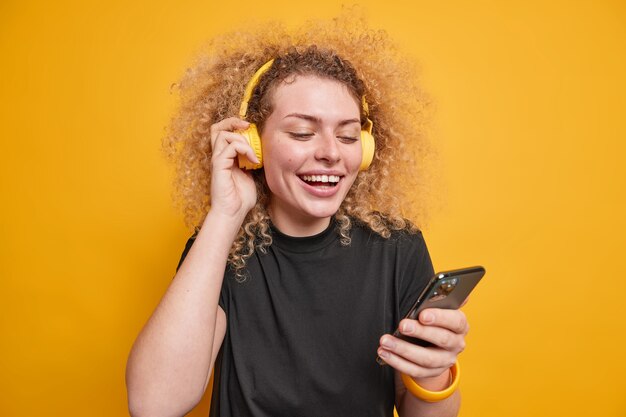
348,139
300,136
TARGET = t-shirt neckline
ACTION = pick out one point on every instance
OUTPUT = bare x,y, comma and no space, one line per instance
305,243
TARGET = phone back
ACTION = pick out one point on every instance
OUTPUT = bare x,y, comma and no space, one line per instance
448,290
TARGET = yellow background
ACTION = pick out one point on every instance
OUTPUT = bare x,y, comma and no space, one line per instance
530,132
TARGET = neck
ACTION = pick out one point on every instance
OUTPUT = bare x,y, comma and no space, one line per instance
299,227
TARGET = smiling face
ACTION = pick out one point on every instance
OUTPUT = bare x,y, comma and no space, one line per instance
311,151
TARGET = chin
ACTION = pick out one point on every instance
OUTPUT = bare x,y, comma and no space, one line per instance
323,212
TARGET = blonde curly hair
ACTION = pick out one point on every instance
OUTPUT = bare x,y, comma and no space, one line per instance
383,197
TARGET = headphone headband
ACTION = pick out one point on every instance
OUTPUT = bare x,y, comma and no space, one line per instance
243,109
247,95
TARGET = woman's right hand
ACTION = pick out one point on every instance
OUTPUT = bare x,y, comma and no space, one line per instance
233,192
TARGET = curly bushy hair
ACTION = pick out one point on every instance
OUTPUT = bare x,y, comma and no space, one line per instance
383,197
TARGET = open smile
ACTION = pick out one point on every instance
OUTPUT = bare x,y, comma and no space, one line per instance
321,180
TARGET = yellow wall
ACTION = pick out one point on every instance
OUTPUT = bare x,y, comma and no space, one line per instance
530,131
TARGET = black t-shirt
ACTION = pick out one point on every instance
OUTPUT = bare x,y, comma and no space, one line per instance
303,328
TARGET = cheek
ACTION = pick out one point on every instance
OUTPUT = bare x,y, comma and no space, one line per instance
355,158
278,167
282,158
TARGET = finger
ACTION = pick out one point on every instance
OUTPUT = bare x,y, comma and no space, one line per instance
409,367
428,357
229,125
224,138
438,336
225,159
453,320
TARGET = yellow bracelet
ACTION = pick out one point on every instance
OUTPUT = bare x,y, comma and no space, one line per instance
433,396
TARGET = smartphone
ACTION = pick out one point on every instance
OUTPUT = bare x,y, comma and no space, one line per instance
447,289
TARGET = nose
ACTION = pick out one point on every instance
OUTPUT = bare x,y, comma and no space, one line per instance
327,148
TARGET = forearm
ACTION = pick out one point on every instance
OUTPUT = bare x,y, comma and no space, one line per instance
171,358
410,406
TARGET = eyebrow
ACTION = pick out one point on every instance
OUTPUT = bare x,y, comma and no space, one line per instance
314,119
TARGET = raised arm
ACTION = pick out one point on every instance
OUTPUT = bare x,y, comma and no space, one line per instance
172,359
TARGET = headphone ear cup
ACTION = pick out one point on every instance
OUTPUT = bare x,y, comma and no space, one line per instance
252,136
368,144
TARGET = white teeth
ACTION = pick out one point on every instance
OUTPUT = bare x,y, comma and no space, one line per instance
320,178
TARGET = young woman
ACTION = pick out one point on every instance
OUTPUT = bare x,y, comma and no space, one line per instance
303,267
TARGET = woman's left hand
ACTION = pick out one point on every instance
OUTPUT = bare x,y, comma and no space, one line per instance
445,329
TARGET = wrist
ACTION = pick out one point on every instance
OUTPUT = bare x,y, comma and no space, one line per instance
435,383
431,395
230,222
221,227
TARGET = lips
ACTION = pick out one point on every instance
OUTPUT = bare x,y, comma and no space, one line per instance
322,185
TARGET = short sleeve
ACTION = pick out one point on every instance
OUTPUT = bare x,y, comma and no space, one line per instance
188,246
416,271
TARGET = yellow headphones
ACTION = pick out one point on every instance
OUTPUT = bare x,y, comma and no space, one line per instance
254,139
